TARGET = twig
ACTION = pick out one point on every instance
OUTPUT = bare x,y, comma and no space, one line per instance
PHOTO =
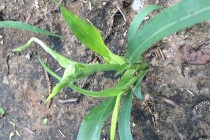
168,101
90,6
62,133
89,21
161,53
67,100
121,12
7,63
29,130
49,86
58,69
89,3
190,92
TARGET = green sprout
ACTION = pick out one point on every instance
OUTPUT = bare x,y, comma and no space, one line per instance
45,121
2,112
14,132
132,66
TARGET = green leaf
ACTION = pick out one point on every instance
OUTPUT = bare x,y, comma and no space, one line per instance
124,118
27,27
137,87
182,15
109,92
93,68
86,33
135,24
45,121
115,116
127,80
94,120
63,61
137,92
127,76
89,36
2,112
62,84
121,69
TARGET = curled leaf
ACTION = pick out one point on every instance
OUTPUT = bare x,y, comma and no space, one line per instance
63,61
191,56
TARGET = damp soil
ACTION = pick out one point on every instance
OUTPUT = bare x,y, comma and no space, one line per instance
176,91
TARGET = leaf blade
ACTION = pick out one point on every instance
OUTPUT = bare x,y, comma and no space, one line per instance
90,128
86,33
27,27
134,26
90,36
137,92
115,116
179,16
124,118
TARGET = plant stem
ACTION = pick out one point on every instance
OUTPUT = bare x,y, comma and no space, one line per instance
93,68
115,116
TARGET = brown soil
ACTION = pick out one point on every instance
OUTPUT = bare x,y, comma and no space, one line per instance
177,102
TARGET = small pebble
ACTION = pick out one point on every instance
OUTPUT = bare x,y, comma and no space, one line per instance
133,124
137,5
36,4
29,55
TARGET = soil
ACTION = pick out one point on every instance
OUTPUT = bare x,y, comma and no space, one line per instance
176,91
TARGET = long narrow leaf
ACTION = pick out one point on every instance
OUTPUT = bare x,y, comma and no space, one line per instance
27,27
94,120
86,33
124,118
115,117
110,92
121,69
127,76
183,14
135,24
90,36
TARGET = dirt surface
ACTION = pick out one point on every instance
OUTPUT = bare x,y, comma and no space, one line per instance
176,91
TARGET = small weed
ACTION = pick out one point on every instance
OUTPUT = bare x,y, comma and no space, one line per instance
2,112
45,121
14,132
132,66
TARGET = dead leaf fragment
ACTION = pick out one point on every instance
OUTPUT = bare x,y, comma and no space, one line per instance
194,57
